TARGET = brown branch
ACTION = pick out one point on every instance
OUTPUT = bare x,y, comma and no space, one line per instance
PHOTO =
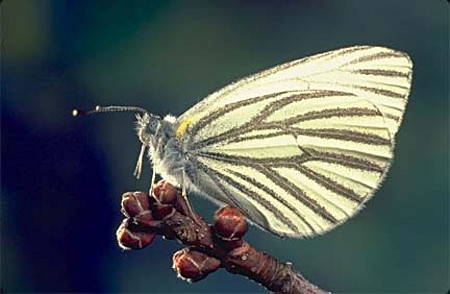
209,246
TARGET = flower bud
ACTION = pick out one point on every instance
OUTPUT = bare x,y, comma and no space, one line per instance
194,265
134,203
164,192
163,210
229,224
129,239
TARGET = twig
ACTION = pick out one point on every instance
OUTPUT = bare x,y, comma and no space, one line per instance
209,247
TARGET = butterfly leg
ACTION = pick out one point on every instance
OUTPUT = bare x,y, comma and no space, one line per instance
158,150
138,169
152,181
188,209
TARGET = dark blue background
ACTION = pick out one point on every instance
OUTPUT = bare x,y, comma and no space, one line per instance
62,177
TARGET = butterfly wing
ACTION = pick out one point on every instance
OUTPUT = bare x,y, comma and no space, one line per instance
300,147
378,74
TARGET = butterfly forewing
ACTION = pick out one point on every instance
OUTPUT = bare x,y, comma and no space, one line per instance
300,147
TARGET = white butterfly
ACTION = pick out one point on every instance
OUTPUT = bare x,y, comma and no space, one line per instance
298,148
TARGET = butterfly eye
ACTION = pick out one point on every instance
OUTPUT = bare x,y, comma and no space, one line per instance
153,123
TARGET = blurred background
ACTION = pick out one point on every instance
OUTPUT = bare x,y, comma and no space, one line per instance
61,177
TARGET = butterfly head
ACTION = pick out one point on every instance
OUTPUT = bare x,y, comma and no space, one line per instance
146,126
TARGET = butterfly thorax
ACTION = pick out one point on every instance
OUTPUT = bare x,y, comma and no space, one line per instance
164,150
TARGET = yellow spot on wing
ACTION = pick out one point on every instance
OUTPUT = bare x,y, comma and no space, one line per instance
183,127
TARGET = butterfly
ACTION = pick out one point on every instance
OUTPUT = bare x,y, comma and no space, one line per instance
298,148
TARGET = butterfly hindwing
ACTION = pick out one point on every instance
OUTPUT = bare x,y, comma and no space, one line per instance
300,147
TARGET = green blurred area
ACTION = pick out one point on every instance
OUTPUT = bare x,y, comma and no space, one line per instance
167,55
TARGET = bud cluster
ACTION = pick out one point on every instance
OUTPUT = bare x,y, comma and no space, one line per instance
229,228
145,213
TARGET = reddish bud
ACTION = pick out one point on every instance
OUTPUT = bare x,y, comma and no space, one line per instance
163,210
229,224
129,239
134,203
164,192
194,265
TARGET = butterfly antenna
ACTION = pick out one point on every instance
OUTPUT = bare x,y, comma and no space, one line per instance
100,109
